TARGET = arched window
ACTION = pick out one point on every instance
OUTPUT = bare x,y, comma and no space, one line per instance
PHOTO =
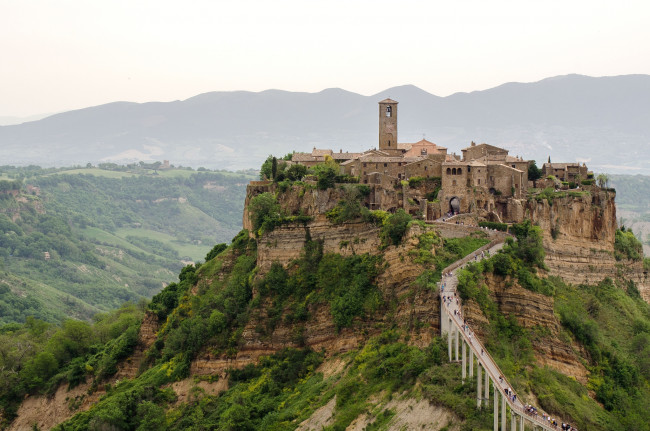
389,111
448,171
459,171
453,171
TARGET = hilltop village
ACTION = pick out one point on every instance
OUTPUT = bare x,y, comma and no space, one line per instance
485,181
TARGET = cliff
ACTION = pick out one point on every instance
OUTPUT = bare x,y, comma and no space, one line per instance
578,232
578,237
395,280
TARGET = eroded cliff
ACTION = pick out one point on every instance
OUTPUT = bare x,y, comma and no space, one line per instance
578,236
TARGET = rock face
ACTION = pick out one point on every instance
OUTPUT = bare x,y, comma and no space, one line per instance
285,243
417,309
48,411
579,237
533,311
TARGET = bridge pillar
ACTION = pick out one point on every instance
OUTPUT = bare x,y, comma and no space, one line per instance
521,422
503,412
444,317
471,362
496,409
457,336
449,344
513,420
487,388
479,399
464,362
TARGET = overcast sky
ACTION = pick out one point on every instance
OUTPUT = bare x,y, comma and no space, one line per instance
67,54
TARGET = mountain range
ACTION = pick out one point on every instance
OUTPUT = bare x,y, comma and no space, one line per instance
603,121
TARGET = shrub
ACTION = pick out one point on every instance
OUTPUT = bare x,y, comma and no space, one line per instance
216,250
296,172
534,173
364,190
415,181
263,208
394,227
627,246
494,225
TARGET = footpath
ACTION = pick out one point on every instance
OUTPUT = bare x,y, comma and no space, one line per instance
457,329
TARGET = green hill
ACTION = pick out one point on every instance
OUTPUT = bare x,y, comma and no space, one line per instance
377,383
110,235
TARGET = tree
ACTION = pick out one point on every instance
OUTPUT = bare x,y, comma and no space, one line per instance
263,207
534,173
603,180
326,173
274,168
266,169
296,172
395,227
217,249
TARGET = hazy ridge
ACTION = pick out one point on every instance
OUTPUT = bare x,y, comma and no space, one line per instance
603,121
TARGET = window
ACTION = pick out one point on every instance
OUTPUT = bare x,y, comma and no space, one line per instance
459,172
389,111
423,152
453,171
385,164
479,181
364,165
448,171
453,183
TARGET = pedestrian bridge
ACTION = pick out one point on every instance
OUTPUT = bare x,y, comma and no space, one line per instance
476,361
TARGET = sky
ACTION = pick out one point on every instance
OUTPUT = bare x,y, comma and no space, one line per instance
68,54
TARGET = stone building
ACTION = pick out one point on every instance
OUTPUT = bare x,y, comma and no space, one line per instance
483,180
570,172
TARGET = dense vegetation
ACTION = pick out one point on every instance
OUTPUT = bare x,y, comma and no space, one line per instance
111,235
37,356
627,246
215,316
611,324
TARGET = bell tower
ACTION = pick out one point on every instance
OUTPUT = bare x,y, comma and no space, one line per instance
388,125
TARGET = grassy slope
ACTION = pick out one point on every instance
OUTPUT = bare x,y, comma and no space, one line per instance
611,326
131,231
285,389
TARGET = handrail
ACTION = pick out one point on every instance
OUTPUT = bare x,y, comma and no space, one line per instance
512,405
481,358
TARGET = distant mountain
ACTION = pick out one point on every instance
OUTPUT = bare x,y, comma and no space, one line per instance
603,121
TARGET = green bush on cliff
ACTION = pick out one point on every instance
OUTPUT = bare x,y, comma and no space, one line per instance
394,227
264,209
345,283
627,246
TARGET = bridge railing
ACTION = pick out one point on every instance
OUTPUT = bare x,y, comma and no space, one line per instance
481,359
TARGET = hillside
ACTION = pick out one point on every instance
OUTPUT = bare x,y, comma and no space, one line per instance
327,315
634,205
110,235
603,121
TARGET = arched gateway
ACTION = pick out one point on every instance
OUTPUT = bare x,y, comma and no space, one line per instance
454,205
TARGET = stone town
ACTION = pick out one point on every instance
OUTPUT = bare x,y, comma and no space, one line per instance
485,181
